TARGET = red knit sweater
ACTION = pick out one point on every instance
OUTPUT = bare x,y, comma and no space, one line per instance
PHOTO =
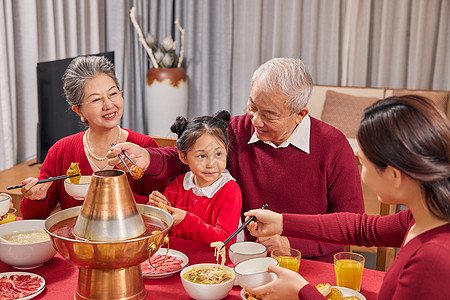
287,179
207,219
61,155
421,269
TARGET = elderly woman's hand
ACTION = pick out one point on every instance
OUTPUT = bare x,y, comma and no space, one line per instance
138,154
267,222
34,191
287,286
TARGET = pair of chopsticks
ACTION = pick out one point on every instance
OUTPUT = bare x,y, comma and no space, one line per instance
241,228
43,181
123,160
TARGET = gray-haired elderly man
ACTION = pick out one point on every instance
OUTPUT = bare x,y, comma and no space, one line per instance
279,156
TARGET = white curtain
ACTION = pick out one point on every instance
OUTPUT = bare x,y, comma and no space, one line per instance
377,43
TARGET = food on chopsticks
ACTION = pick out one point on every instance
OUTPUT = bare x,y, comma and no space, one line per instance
136,172
331,293
251,296
27,237
74,169
351,298
219,252
164,266
208,275
18,286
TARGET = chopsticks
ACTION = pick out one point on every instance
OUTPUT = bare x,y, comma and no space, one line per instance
240,228
123,161
43,181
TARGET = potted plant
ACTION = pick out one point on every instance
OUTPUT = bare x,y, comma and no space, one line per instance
166,85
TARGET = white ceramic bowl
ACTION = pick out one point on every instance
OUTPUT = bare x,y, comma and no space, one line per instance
78,191
5,203
241,251
253,272
25,256
207,291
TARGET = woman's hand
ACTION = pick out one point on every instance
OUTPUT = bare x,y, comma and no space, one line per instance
287,286
157,199
34,191
138,154
267,222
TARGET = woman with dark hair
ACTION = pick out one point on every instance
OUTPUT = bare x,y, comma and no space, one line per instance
92,90
205,203
405,155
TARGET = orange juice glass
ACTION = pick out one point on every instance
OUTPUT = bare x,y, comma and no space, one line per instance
349,267
288,258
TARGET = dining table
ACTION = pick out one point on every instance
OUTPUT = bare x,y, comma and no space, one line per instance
61,275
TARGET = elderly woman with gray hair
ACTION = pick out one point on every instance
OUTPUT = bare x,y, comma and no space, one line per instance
92,90
279,155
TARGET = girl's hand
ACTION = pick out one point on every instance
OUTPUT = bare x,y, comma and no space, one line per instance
159,200
177,214
138,154
34,191
287,286
10,206
267,222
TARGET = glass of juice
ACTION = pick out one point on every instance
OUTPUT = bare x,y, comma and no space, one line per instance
288,258
349,267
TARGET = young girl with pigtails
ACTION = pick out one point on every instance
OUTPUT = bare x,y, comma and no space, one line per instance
205,203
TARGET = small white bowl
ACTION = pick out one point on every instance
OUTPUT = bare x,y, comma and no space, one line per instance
241,251
253,272
5,203
25,256
78,191
207,291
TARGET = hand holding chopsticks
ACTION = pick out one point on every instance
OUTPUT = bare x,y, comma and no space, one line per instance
135,171
43,181
241,228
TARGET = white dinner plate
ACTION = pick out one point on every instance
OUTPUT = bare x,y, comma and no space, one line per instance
37,292
345,293
349,292
174,253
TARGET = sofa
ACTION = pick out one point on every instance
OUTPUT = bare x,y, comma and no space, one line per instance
342,106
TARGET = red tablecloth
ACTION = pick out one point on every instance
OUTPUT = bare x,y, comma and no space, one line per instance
61,275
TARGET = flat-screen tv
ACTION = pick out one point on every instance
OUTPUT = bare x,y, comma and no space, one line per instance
55,117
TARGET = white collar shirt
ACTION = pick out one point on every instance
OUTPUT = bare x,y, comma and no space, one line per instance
208,191
299,137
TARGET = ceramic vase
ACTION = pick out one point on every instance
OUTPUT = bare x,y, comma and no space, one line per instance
167,98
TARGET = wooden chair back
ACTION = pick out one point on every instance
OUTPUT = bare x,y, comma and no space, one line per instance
165,142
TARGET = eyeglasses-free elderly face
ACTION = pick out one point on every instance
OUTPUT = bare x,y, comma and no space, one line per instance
113,95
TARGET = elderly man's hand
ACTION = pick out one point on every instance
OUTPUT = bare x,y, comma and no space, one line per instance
274,241
267,222
287,286
138,154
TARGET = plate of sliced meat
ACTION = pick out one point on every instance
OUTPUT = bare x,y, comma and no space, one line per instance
20,285
173,263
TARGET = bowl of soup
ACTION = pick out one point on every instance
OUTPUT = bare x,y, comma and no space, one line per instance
78,190
28,247
207,281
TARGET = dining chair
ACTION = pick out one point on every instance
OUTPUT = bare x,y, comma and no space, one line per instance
165,141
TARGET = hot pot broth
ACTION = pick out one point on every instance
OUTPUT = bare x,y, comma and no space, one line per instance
65,227
27,237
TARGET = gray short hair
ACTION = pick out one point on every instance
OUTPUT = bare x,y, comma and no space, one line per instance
287,76
80,70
